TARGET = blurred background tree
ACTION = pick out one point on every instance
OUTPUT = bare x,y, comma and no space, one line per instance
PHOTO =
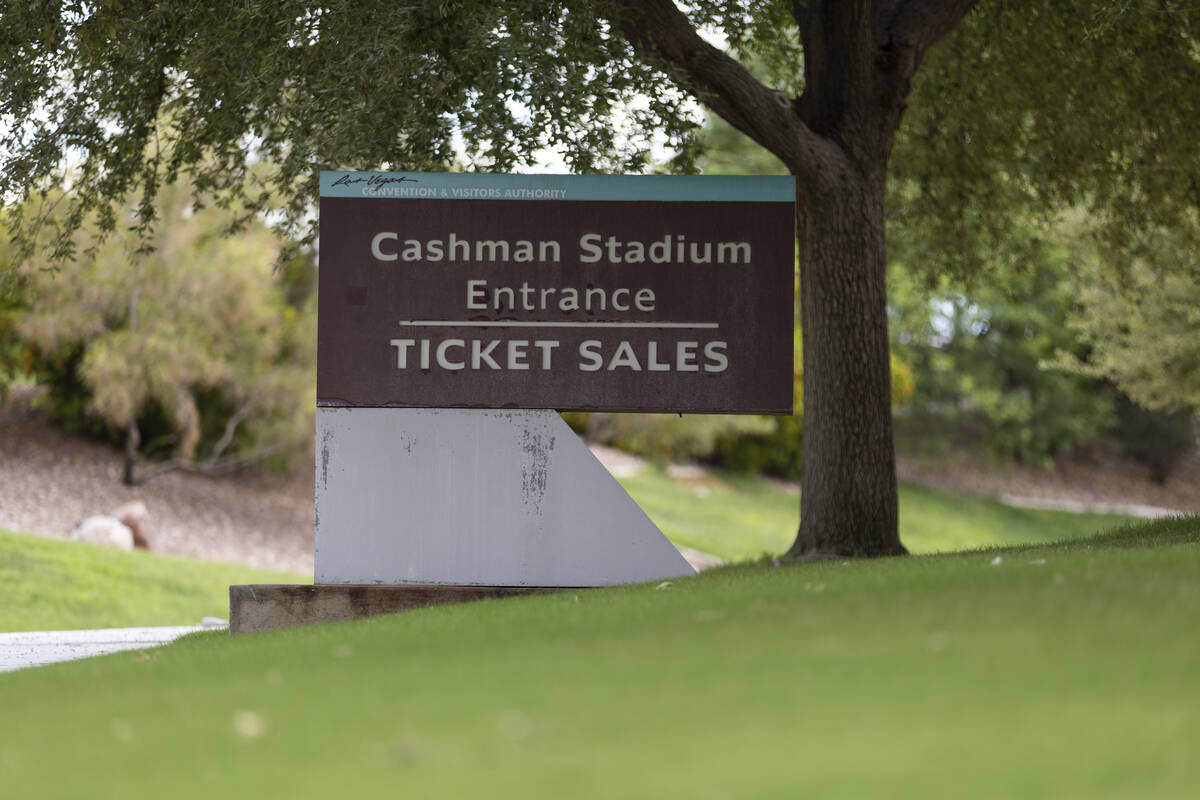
1141,328
1141,323
187,347
979,354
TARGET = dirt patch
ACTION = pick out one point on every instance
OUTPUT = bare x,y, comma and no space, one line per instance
617,462
1081,482
50,480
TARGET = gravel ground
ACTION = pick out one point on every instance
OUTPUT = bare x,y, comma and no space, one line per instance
49,481
1080,483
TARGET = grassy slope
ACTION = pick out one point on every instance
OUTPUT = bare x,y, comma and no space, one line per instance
1066,671
47,584
740,518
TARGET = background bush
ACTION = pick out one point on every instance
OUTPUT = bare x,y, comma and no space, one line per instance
195,348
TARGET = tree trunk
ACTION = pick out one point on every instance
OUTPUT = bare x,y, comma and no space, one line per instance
848,481
133,440
836,138
133,436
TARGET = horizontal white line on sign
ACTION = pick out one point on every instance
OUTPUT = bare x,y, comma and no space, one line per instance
448,323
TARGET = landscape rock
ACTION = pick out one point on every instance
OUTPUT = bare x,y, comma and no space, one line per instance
103,530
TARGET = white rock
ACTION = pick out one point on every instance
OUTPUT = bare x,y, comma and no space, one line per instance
103,530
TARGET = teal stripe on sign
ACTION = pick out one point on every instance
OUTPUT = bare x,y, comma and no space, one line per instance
482,186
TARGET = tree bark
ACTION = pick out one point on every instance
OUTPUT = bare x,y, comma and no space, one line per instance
848,475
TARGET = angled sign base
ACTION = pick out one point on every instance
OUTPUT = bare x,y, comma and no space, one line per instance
475,498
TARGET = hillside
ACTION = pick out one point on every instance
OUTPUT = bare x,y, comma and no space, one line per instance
50,480
1062,671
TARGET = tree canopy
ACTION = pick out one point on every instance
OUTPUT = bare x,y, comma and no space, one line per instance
123,98
1025,107
1029,109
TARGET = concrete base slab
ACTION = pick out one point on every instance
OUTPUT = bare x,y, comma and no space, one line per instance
263,607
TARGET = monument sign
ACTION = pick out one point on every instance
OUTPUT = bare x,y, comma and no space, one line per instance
456,309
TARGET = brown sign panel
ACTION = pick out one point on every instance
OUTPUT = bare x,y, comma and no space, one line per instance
553,298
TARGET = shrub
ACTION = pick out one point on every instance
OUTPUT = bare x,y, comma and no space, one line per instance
191,351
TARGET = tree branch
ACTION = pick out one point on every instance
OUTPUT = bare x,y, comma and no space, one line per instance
211,467
659,31
226,439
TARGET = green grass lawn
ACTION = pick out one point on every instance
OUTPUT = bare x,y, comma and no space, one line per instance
1062,671
48,584
740,518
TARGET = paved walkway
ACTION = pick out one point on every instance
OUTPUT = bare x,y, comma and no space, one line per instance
35,648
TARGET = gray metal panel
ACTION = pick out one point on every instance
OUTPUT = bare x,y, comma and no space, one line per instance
474,497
